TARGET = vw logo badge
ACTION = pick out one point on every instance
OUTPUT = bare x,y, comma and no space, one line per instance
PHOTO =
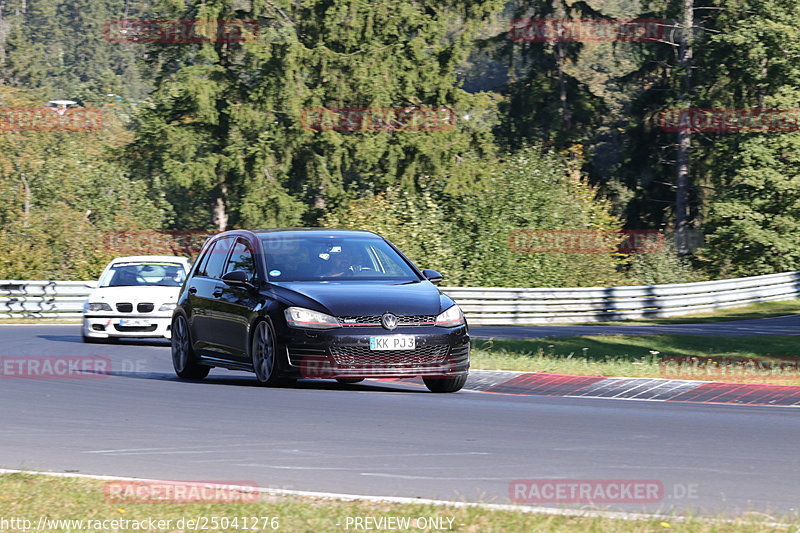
389,321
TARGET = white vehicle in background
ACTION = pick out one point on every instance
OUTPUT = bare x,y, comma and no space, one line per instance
134,297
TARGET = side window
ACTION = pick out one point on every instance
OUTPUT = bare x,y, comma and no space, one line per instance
385,264
203,261
241,259
217,255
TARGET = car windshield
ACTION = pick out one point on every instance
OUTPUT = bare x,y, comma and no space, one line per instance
333,259
138,273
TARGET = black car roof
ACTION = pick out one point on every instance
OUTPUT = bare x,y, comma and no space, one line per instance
333,232
297,232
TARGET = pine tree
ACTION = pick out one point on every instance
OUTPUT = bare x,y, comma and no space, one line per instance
60,46
752,216
225,131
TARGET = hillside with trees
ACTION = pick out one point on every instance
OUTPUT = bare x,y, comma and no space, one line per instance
445,126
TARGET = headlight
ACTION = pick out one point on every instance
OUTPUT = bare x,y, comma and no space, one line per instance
451,318
299,317
97,306
167,307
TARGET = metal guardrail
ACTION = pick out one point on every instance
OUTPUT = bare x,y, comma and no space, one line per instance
512,306
489,305
43,299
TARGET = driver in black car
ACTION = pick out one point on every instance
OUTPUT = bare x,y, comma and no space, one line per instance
339,264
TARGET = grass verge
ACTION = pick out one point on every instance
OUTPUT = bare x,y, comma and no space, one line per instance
750,312
29,497
768,359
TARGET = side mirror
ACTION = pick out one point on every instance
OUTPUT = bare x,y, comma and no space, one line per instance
238,278
432,276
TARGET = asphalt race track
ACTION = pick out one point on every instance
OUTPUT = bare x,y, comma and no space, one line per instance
379,438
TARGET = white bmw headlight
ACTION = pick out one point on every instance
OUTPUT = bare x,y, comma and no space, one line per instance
451,318
96,306
300,317
167,307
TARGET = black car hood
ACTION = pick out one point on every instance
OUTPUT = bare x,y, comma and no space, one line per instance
363,298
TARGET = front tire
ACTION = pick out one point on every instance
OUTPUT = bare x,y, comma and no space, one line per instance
92,340
183,359
264,352
452,384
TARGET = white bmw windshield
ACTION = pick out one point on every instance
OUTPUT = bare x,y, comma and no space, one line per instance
132,274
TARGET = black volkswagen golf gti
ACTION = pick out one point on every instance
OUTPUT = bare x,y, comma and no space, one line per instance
316,303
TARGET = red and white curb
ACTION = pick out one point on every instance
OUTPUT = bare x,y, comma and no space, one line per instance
652,389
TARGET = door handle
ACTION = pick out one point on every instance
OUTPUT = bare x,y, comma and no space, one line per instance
192,290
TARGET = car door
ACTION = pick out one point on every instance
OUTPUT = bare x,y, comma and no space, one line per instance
237,303
205,288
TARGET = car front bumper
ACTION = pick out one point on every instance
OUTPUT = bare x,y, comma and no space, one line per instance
105,326
345,353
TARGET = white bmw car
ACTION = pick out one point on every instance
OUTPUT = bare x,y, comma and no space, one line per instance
134,297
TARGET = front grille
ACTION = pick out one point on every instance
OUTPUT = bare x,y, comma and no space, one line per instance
416,320
359,356
352,321
145,308
124,307
375,320
135,329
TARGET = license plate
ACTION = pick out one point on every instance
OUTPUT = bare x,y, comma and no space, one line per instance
134,322
392,342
